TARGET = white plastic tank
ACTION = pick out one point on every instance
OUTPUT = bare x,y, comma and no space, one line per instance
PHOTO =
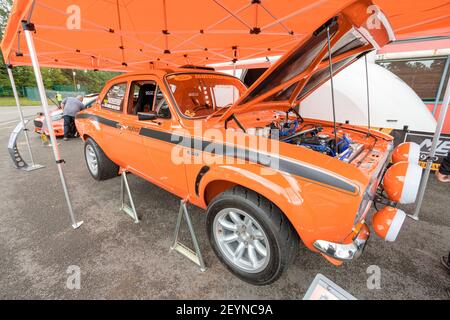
393,103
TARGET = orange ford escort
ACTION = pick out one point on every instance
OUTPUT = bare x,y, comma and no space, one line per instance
266,176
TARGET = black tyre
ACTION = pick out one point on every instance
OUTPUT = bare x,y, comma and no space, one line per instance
99,165
250,235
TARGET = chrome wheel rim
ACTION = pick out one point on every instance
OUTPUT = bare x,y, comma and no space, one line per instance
91,159
241,240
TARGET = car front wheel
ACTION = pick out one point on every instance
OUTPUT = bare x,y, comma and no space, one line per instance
99,165
250,235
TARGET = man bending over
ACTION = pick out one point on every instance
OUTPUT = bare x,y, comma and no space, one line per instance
71,107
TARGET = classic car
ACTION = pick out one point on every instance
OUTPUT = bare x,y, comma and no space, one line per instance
57,118
192,132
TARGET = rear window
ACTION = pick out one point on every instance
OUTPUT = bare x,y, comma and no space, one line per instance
114,98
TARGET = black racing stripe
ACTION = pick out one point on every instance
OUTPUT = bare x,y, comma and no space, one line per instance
105,121
315,175
160,135
251,156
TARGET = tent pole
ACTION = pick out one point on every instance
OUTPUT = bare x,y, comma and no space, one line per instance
29,28
22,120
430,158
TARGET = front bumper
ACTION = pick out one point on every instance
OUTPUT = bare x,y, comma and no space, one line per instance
59,131
348,251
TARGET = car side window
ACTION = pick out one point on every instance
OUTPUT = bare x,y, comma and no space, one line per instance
114,98
146,96
142,96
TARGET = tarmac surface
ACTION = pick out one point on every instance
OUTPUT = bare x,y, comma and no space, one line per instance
119,259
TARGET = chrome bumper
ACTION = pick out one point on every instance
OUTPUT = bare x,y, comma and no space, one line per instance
348,251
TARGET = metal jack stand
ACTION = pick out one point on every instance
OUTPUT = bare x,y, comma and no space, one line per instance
131,211
196,256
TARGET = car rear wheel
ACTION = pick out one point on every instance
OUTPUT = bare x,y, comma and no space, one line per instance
250,235
99,165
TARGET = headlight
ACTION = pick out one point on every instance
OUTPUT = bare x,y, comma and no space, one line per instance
387,223
407,151
401,182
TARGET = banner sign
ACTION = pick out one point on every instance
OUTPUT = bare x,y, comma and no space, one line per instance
424,140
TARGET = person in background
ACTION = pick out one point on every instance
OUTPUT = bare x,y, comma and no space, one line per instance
71,107
443,174
59,99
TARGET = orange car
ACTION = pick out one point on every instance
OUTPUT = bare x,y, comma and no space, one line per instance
57,122
57,118
266,176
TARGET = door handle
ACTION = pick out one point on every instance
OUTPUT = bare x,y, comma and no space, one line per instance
121,126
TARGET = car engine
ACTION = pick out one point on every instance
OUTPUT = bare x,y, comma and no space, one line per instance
312,138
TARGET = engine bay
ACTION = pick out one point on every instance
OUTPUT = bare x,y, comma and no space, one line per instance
311,136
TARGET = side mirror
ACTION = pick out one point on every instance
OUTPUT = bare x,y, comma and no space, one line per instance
147,116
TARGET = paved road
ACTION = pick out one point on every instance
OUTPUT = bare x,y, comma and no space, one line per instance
119,259
10,117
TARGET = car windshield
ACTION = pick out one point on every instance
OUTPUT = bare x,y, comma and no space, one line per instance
200,95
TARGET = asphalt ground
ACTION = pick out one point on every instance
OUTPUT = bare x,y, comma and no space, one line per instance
119,259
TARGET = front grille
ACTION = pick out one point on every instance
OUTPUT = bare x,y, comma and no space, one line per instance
37,124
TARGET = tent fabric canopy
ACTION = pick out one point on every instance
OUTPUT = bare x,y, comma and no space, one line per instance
132,35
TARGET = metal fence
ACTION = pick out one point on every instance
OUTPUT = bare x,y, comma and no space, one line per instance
7,91
32,93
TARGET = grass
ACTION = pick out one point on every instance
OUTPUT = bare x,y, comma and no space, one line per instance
10,101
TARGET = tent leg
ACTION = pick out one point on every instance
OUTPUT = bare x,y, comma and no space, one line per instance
430,158
33,166
29,28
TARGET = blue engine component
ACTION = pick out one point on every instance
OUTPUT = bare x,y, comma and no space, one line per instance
288,128
344,147
317,147
314,139
325,144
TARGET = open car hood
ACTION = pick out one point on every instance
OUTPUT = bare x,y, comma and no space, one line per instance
355,30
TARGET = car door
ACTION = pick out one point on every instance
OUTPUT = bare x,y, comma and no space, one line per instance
129,142
148,143
109,116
